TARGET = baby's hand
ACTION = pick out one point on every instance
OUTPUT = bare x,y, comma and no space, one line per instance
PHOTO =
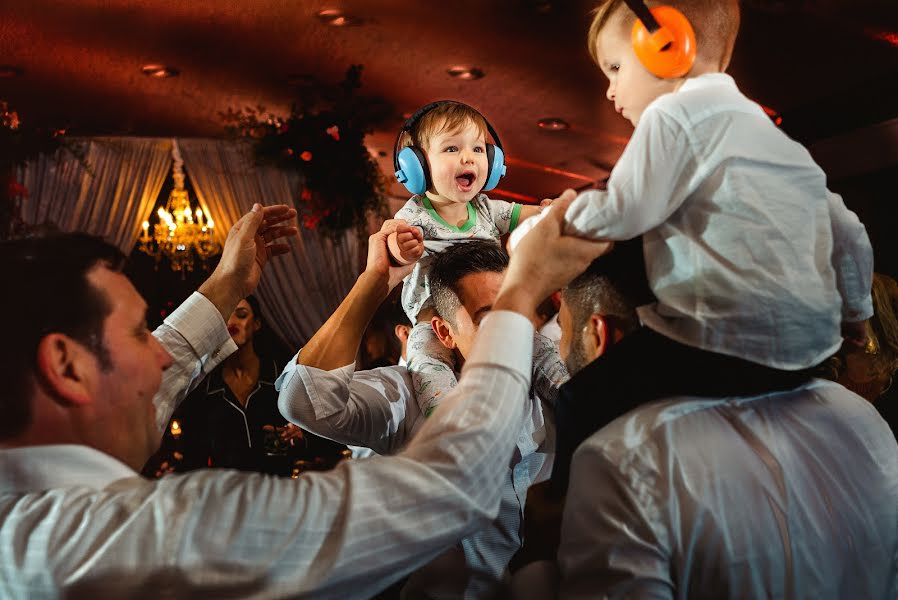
406,244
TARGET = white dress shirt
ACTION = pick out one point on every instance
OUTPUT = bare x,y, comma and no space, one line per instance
377,409
786,495
75,522
746,250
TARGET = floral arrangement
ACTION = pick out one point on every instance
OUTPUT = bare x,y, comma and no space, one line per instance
20,143
323,139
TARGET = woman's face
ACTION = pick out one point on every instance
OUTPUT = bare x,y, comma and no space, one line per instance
862,377
242,324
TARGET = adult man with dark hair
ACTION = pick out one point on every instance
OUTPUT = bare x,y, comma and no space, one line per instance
79,522
377,409
783,494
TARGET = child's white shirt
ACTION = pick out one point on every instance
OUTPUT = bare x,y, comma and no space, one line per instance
747,251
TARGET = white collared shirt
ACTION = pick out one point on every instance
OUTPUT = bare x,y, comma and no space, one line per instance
78,523
786,495
377,409
746,250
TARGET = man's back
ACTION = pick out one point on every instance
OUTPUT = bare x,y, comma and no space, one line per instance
791,495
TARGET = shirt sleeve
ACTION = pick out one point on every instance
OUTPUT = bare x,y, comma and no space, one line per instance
345,533
649,182
609,548
375,409
852,260
505,215
196,337
549,372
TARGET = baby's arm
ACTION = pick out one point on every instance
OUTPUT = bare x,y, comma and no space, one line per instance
431,365
852,260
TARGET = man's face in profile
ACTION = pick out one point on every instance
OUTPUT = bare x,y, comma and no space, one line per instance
122,415
476,294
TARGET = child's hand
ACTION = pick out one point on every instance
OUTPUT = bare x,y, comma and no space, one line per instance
406,244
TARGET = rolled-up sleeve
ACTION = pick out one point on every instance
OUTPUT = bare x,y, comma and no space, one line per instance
196,337
375,409
852,260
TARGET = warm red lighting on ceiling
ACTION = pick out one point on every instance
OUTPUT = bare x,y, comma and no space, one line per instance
514,196
337,18
159,71
890,37
510,160
553,124
465,72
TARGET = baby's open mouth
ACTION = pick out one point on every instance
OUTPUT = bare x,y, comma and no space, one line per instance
465,179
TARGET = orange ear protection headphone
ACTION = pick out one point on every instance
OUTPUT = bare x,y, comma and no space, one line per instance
663,40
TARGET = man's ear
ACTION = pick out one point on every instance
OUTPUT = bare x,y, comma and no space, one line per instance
444,333
401,332
598,336
64,367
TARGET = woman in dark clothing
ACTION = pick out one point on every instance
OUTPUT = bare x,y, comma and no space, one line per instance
232,420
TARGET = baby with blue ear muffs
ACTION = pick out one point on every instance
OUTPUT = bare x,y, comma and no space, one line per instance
443,158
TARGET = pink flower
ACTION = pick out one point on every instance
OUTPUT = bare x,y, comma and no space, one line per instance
306,195
334,132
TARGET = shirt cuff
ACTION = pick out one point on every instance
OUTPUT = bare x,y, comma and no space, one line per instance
505,340
200,323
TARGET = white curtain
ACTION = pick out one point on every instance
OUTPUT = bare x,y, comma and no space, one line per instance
300,290
113,201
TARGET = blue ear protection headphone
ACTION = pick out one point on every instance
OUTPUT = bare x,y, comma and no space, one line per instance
410,163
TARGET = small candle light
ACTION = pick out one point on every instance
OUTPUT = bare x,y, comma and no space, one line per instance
175,429
146,227
199,216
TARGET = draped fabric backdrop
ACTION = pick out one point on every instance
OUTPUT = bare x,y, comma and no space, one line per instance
300,290
128,174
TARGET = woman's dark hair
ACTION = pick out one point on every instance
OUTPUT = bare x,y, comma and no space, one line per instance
47,291
266,342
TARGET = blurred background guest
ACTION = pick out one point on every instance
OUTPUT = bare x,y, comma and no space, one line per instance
869,370
231,419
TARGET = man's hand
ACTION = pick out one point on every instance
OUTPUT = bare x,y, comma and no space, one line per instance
251,242
545,260
406,246
379,264
336,343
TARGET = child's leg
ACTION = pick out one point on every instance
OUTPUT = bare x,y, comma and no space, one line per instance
432,366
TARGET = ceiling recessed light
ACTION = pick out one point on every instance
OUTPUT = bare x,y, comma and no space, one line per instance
465,72
337,18
9,71
159,71
553,124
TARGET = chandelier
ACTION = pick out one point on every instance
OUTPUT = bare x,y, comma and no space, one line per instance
182,235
